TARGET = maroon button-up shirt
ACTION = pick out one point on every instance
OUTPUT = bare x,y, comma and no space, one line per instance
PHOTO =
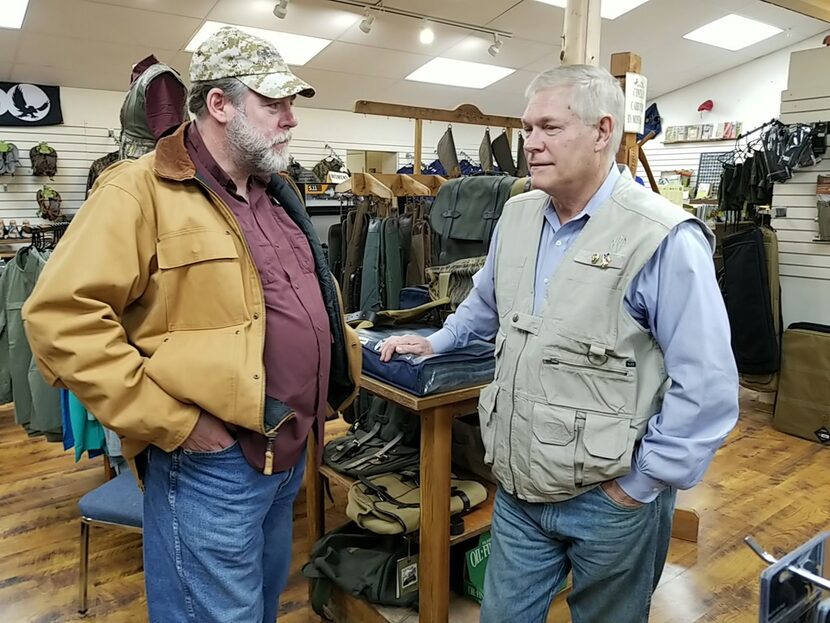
297,353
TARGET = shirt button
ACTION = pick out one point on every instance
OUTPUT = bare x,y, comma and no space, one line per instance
515,317
558,243
256,316
546,282
256,376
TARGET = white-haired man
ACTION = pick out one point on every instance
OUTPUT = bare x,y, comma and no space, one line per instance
615,382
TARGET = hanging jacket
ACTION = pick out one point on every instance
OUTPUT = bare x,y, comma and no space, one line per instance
36,404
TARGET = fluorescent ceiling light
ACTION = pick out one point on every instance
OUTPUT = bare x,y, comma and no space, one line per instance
459,73
732,32
295,49
12,13
609,9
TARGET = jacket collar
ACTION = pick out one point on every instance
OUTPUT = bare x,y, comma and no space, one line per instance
172,161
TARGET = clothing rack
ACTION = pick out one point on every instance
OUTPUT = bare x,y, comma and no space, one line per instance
40,242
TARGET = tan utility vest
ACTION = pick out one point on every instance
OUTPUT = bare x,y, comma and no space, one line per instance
577,382
136,137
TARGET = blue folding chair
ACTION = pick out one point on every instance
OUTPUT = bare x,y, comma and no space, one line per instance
118,503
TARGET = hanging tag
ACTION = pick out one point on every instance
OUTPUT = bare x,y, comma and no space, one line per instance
407,576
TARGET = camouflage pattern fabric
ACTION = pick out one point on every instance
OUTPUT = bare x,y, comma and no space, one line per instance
232,53
457,279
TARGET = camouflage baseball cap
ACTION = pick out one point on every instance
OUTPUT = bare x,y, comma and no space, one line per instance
232,53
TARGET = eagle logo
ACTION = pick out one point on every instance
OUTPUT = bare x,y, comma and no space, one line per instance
28,102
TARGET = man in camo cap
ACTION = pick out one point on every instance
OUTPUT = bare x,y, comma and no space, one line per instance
209,336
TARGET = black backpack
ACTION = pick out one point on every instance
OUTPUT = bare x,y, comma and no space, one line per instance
44,160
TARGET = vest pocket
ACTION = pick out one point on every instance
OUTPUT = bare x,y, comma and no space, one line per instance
552,448
607,441
486,411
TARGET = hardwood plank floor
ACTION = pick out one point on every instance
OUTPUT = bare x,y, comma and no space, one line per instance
762,482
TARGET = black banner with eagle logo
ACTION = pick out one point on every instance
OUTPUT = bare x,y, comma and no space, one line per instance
23,104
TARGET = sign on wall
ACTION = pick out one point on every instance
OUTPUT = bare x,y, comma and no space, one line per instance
23,104
635,103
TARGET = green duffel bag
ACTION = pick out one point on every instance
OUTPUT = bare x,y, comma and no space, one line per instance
391,503
465,214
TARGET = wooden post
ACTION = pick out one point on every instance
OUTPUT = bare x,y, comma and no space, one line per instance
315,503
581,33
622,63
509,133
434,537
419,146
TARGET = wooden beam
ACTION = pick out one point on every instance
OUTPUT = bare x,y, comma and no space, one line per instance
629,153
812,8
581,33
466,113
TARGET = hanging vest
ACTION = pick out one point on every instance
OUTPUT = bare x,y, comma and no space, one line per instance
577,381
136,137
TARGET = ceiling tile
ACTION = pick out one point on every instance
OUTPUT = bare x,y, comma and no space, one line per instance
466,11
362,60
39,74
515,52
394,32
187,8
106,65
94,22
8,44
514,84
5,70
315,18
533,20
339,90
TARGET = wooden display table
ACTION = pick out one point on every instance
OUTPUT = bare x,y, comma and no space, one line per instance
437,413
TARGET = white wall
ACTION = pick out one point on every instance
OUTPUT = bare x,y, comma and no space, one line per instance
749,93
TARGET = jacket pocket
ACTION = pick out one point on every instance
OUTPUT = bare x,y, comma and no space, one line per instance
486,416
508,274
606,448
552,448
201,277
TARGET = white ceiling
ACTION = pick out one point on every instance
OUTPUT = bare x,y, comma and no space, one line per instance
93,43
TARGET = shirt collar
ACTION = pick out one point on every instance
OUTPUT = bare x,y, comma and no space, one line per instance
602,195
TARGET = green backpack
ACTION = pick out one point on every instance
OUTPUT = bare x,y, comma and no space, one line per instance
465,214
361,563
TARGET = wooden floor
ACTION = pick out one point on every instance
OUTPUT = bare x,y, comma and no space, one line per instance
762,482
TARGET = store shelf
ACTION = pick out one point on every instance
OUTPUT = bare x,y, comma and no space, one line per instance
476,522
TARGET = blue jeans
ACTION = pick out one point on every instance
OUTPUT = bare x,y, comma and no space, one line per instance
616,555
217,536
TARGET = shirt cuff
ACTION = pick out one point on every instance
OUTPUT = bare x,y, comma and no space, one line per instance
442,341
641,487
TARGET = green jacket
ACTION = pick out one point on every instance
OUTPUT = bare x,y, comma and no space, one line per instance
36,403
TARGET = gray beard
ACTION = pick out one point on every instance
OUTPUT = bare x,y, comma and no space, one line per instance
251,152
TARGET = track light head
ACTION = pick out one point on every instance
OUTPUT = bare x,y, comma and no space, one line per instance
366,23
281,9
495,48
427,35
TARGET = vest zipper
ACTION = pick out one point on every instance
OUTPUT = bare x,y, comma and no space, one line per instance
552,361
512,414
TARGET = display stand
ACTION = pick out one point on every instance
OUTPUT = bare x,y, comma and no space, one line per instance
437,413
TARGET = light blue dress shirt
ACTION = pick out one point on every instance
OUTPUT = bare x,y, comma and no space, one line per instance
676,297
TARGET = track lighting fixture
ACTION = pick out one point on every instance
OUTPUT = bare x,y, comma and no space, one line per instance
366,22
495,48
281,9
427,34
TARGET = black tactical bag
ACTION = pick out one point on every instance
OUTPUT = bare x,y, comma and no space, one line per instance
383,438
